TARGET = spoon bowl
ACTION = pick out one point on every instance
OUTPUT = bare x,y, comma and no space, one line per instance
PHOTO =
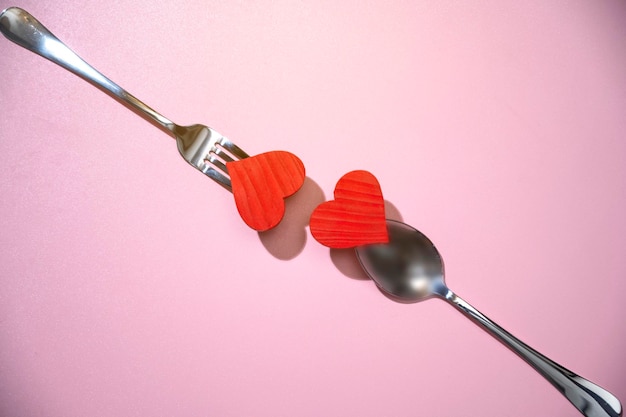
409,269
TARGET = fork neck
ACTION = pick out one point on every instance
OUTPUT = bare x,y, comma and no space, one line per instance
143,110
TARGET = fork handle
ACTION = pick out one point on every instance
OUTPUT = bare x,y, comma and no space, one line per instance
22,28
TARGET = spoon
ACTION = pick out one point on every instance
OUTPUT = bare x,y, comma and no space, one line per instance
409,269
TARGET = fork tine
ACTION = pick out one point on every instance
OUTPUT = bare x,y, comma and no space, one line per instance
222,154
233,149
216,170
218,164
218,177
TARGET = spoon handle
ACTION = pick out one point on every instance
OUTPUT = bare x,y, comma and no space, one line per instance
590,399
22,28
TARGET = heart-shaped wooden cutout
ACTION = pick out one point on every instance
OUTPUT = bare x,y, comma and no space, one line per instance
356,217
260,184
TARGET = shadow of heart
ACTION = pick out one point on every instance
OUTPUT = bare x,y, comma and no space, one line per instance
288,238
345,260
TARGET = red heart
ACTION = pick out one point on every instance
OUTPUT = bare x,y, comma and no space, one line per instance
261,183
356,217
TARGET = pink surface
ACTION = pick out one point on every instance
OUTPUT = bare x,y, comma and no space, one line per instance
131,287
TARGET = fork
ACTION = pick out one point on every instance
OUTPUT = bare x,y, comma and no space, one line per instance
201,146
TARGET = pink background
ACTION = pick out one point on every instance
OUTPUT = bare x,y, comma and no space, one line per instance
130,286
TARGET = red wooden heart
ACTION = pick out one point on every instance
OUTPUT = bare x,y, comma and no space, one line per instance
261,183
356,217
